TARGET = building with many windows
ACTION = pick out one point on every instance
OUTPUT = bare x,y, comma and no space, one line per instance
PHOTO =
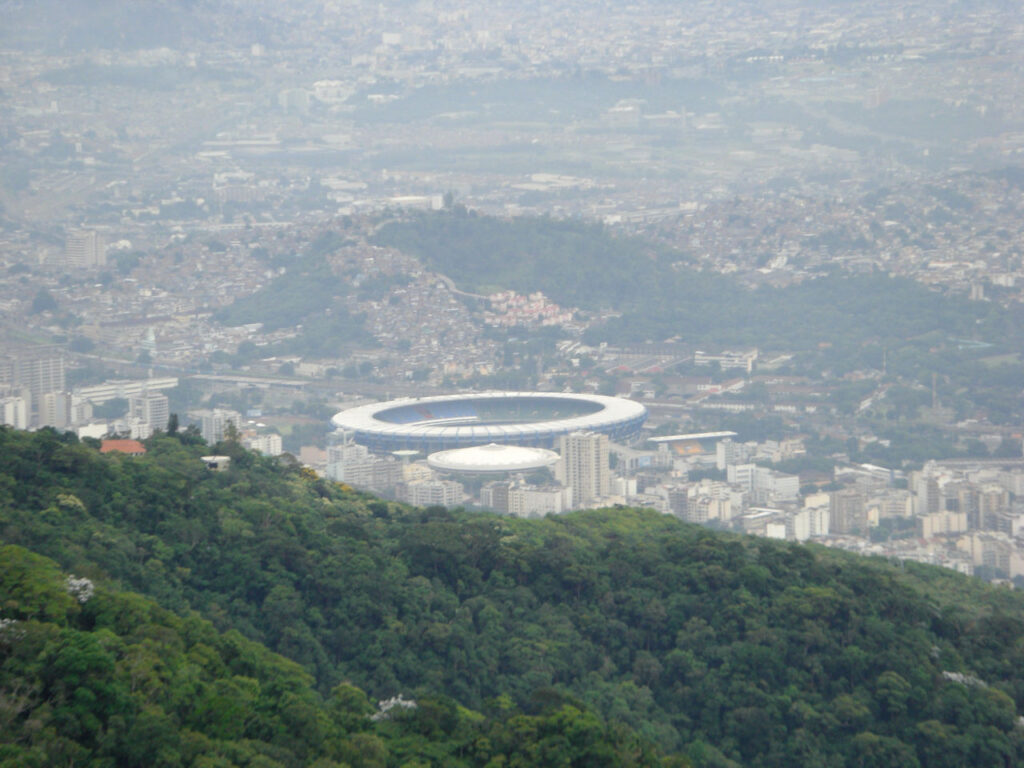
584,466
151,407
84,249
14,412
267,443
429,493
213,424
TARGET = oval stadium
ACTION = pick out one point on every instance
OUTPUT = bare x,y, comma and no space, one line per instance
431,424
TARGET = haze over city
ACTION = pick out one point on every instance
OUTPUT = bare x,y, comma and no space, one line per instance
575,383
790,231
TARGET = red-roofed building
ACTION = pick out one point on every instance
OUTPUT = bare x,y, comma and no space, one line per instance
130,447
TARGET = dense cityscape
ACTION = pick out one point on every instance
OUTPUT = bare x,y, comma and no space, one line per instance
148,190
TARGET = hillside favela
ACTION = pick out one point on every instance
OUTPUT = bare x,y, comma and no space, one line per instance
432,383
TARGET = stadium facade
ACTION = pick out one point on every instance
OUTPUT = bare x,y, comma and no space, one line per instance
537,419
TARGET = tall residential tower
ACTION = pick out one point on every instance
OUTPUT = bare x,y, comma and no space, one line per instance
584,466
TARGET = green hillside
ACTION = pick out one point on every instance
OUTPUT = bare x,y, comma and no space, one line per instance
584,265
726,650
309,295
94,677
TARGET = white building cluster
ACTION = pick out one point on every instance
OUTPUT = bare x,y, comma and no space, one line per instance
353,464
34,394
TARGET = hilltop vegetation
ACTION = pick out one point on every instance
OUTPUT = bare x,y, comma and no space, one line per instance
307,296
583,265
727,650
99,677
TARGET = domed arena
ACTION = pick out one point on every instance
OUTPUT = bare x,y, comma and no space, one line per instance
538,419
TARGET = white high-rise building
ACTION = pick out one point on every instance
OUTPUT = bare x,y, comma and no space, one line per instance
269,443
807,522
742,475
85,249
728,452
134,428
54,408
14,412
584,466
764,484
214,424
150,407
80,411
32,373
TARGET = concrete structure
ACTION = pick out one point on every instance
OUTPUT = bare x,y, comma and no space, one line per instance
133,427
728,452
492,458
14,412
351,463
85,249
150,407
743,361
523,500
269,444
97,431
993,550
941,524
124,388
700,508
54,410
848,513
537,419
584,466
807,523
214,424
539,501
427,493
764,484
31,374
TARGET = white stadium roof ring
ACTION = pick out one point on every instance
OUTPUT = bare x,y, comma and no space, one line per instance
538,419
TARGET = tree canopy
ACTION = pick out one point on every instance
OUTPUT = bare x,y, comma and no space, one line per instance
710,647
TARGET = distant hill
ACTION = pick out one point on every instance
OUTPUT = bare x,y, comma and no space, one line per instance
721,649
834,321
307,294
584,265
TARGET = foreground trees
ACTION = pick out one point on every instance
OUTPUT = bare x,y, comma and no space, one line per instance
594,631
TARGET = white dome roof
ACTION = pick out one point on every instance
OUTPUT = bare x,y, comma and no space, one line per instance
492,458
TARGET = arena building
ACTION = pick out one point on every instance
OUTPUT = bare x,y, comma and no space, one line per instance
538,419
492,459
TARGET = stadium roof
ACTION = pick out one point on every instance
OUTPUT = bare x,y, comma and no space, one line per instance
492,458
452,421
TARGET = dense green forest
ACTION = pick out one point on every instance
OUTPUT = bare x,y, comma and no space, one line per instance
719,649
90,676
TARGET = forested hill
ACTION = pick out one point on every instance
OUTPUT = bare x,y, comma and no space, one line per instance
95,677
583,265
578,638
